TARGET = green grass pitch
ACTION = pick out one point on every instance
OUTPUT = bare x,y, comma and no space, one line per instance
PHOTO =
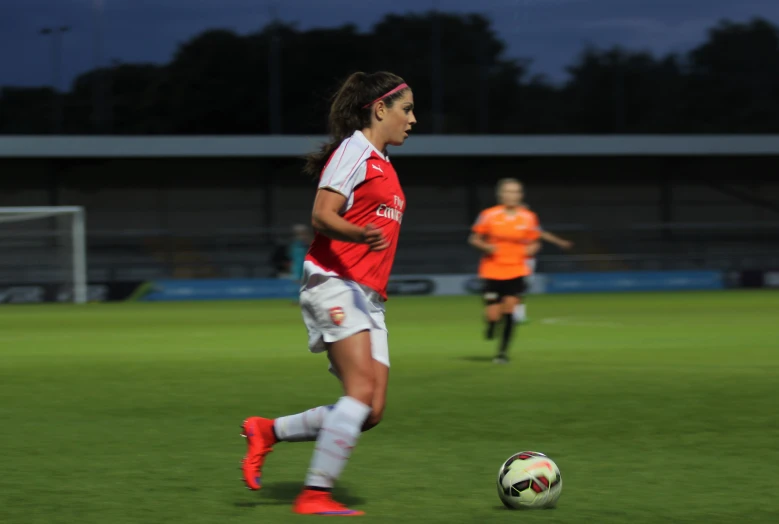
658,408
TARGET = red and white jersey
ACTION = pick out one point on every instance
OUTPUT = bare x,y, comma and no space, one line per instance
362,174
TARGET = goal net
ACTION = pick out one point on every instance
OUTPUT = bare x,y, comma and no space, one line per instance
43,254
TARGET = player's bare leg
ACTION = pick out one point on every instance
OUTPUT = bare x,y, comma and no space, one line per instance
381,381
492,315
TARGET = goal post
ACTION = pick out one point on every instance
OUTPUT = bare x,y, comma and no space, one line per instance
45,245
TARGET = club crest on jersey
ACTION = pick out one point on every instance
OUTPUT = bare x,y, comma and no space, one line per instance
337,315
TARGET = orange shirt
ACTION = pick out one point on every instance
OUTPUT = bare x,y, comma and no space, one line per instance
510,233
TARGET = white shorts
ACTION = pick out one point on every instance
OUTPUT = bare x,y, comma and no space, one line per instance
335,309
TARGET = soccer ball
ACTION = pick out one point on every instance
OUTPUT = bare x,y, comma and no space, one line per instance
529,479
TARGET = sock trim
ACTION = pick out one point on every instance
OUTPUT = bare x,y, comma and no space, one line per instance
318,488
508,329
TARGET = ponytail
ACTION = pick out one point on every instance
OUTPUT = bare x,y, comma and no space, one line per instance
351,111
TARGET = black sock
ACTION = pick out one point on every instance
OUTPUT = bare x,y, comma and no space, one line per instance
490,330
318,488
508,328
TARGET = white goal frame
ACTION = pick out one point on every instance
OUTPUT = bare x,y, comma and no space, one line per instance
78,237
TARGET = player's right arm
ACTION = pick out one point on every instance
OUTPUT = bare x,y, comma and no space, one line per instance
480,242
327,220
479,238
342,174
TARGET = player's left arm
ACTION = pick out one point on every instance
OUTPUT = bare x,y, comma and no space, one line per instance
548,236
479,238
534,235
554,239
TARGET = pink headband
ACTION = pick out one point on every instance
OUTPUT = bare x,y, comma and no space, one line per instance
385,95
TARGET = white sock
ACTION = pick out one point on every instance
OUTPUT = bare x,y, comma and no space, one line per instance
335,442
519,313
301,427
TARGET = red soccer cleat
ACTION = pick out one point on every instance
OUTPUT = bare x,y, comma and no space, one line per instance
260,439
312,502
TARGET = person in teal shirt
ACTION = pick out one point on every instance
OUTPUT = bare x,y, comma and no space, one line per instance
297,250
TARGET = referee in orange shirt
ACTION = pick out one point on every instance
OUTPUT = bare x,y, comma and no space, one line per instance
508,235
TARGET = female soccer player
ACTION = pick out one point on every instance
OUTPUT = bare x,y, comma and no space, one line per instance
357,214
507,235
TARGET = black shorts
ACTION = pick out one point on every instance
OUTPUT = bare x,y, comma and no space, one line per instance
495,290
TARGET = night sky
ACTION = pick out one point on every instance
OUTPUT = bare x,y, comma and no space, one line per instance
551,32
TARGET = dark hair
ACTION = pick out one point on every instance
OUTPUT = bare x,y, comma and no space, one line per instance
349,114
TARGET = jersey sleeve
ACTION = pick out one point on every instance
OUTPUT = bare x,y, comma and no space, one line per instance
482,225
346,169
535,227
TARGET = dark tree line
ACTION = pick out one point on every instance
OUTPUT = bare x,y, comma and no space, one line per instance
278,80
